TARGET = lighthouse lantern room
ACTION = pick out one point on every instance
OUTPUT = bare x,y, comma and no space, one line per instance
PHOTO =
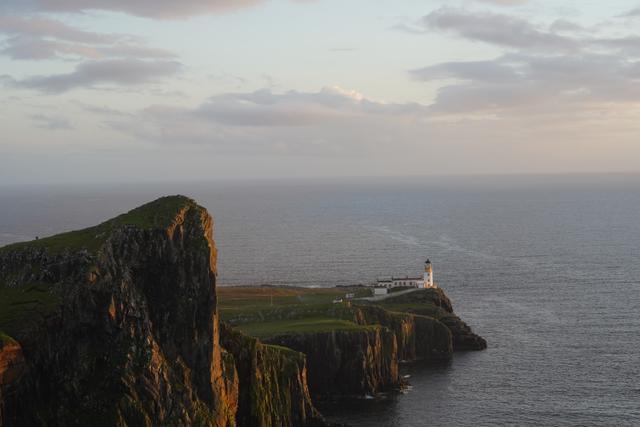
428,275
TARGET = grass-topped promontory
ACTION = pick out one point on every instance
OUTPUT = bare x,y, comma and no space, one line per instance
424,302
267,311
270,311
25,301
300,326
240,301
157,214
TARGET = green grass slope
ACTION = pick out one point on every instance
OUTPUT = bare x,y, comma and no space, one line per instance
157,214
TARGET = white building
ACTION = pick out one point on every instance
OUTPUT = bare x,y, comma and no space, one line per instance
426,281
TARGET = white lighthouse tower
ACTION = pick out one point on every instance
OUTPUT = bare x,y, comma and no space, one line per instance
428,275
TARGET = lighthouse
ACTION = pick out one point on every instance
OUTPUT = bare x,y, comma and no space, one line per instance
428,275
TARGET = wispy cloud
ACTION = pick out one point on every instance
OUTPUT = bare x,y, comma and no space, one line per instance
505,2
114,71
632,13
499,29
332,120
49,122
159,9
45,27
561,67
43,38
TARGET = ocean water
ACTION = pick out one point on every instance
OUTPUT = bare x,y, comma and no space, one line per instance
547,269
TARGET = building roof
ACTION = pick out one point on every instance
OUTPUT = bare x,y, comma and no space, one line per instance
397,279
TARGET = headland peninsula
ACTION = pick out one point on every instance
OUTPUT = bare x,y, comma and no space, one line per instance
123,324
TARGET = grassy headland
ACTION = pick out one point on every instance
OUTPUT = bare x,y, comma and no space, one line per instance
26,296
269,311
156,214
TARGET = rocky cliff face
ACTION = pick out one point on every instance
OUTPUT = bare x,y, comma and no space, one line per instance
417,337
130,333
117,325
365,362
11,360
434,303
360,362
273,383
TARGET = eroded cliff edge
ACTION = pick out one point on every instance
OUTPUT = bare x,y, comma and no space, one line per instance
353,347
117,325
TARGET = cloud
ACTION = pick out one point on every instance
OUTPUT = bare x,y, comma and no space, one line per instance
562,26
632,13
486,71
100,110
41,38
531,82
498,29
51,122
44,27
265,108
162,9
505,2
27,48
509,124
113,71
518,34
542,70
332,120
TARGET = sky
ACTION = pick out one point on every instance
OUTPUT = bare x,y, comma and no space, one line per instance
160,90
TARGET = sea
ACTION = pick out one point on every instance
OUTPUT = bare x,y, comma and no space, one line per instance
545,268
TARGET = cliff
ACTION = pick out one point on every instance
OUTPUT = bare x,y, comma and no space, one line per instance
434,303
351,350
273,383
417,337
117,325
345,363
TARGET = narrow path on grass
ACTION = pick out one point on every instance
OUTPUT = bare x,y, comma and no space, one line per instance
391,295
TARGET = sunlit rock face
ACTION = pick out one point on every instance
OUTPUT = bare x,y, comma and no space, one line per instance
117,325
365,361
273,383
124,332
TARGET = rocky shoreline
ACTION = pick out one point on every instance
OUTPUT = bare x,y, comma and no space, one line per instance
119,324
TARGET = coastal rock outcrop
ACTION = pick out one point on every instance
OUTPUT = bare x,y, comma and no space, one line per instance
272,383
120,324
417,337
434,303
360,353
11,360
361,362
117,325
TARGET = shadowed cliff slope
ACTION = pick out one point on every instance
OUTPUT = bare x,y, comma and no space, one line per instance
434,303
117,325
353,346
273,383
